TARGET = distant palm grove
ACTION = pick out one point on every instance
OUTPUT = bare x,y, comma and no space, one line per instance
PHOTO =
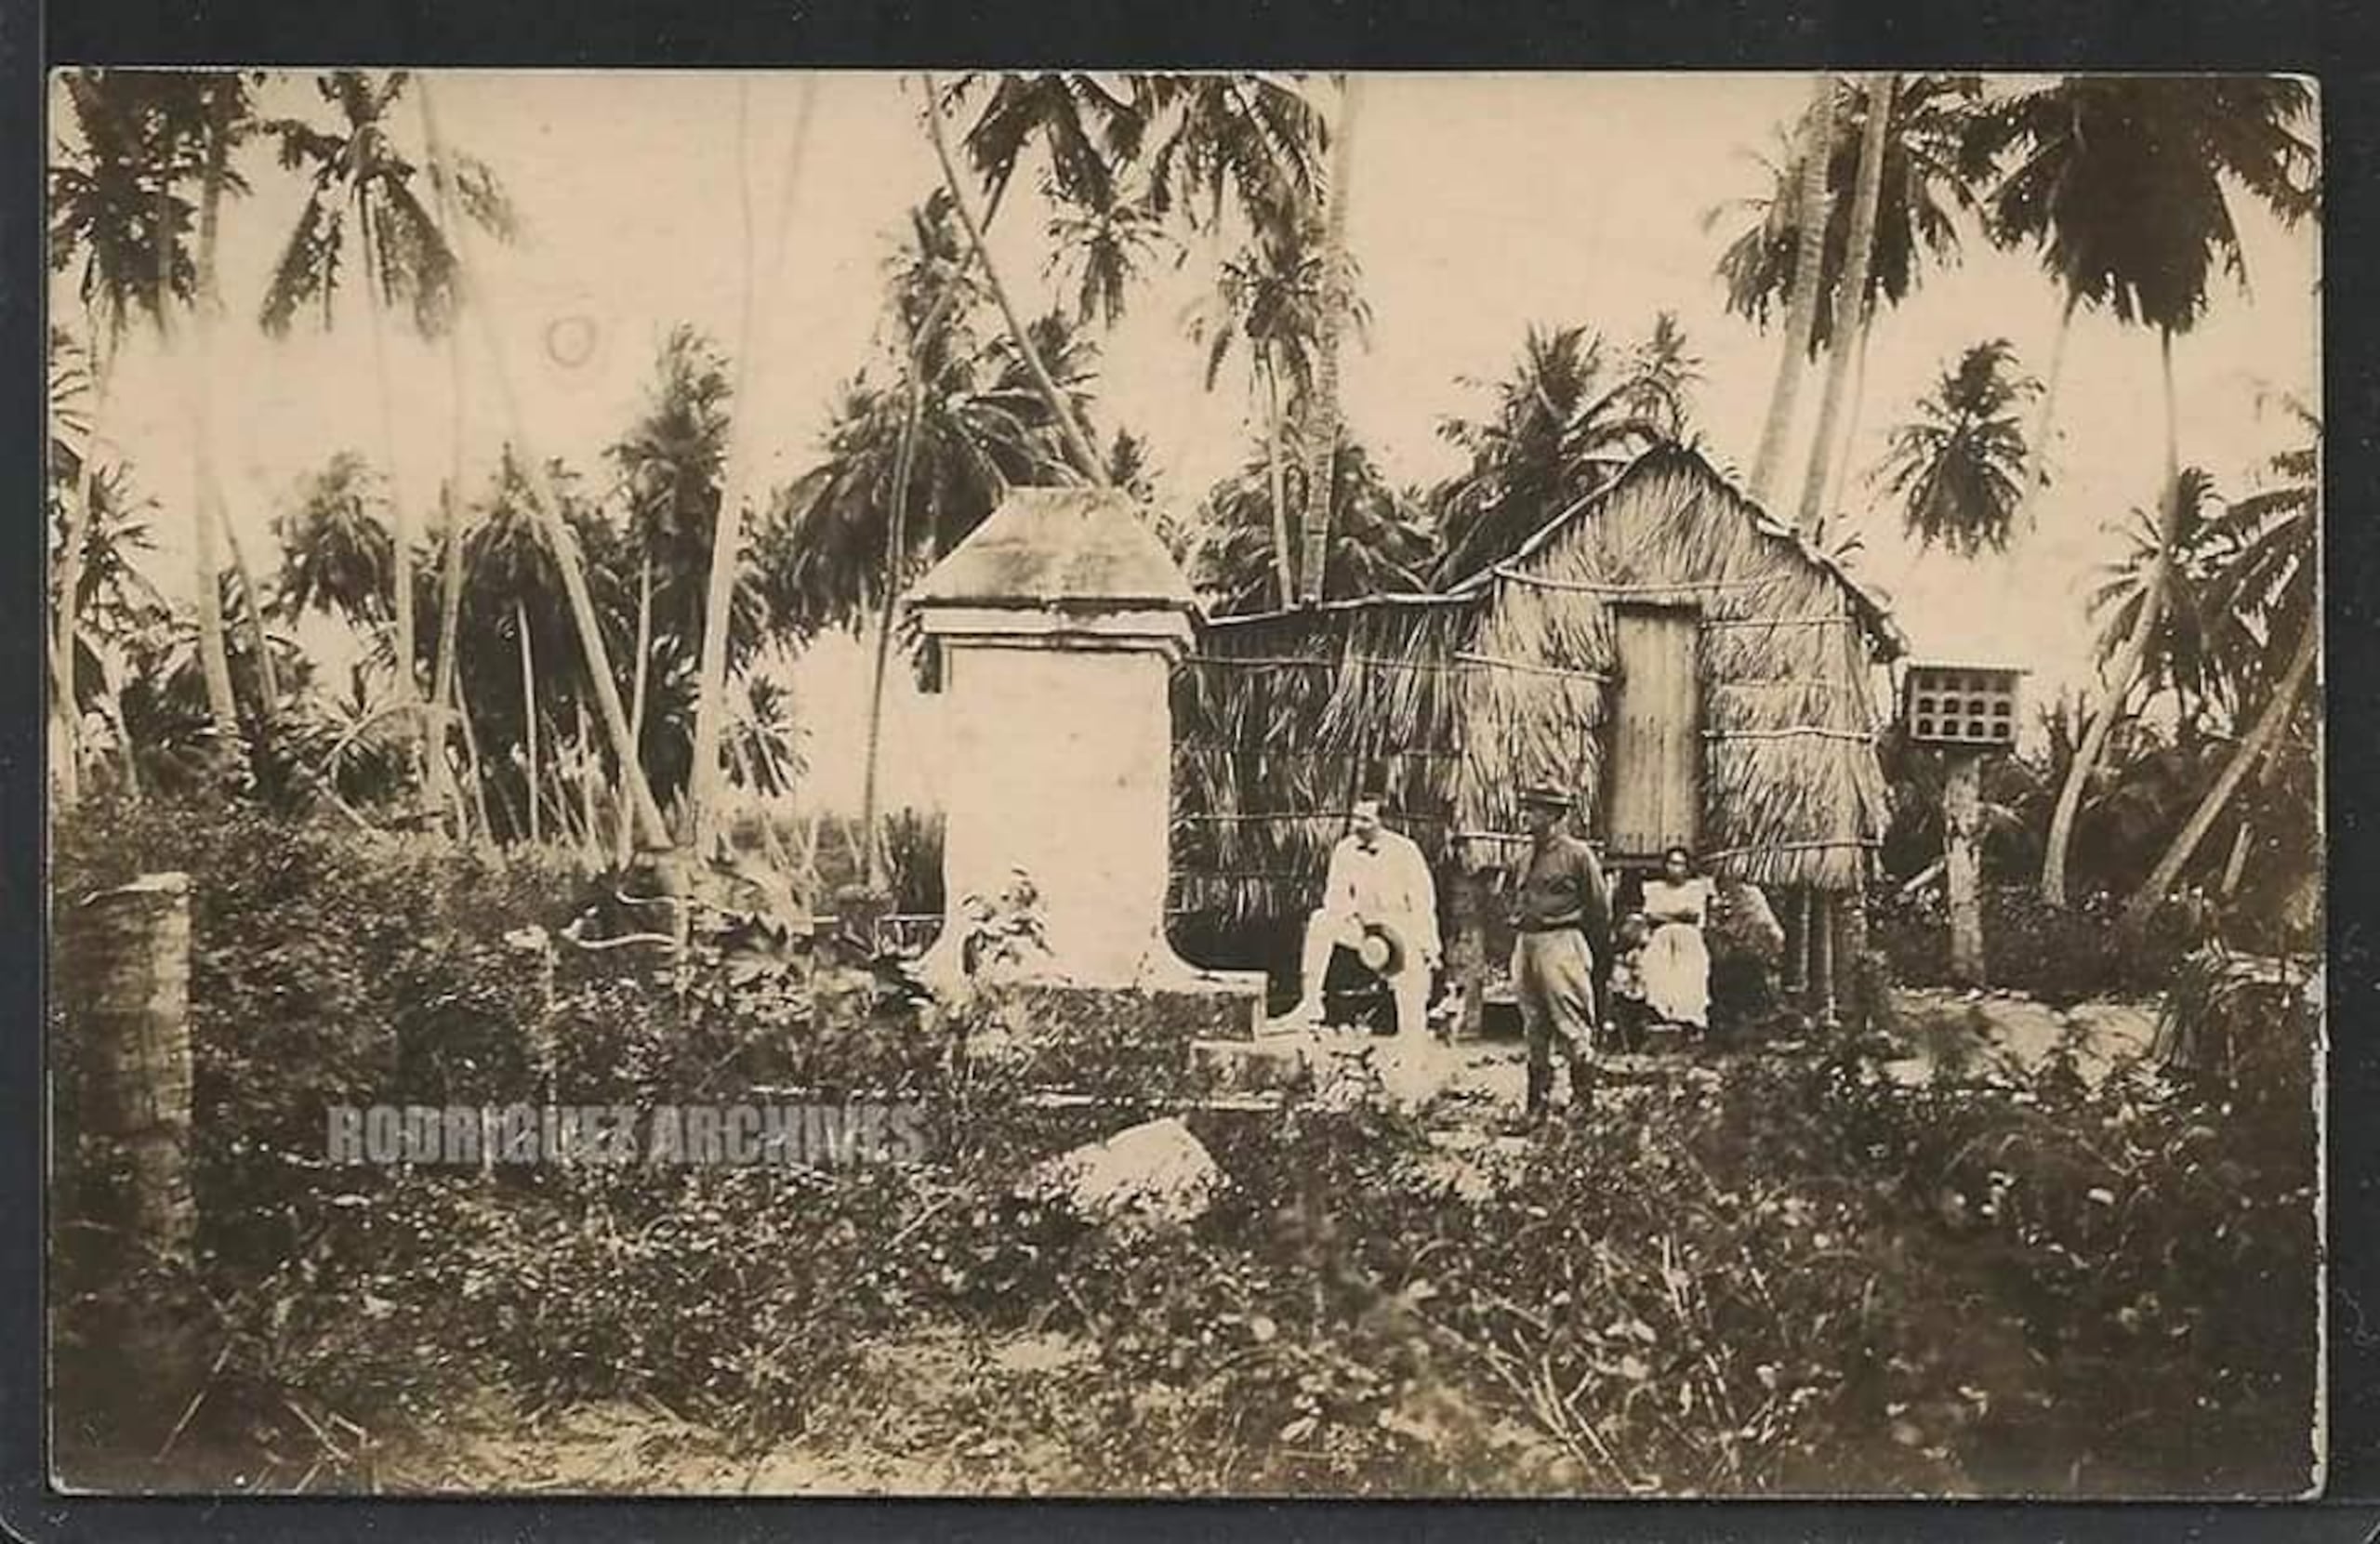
594,655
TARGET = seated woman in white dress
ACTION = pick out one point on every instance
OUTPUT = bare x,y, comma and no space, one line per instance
1676,962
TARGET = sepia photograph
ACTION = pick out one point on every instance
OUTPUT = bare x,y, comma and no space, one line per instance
1183,783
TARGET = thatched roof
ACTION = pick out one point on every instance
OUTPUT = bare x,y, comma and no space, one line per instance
1461,698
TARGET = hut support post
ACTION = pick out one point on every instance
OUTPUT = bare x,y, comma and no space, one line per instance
1823,959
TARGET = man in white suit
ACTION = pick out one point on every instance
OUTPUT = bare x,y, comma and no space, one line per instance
1379,883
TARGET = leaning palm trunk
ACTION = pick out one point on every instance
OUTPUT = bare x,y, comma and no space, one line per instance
1849,445
528,709
643,667
408,692
546,501
1801,311
1061,411
1322,453
65,724
450,619
905,463
450,599
2128,660
2045,419
710,696
213,663
268,676
1850,297
2243,761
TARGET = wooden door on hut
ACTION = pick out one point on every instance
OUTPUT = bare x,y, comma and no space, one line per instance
1653,763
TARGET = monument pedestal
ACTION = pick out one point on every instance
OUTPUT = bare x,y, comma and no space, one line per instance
1055,627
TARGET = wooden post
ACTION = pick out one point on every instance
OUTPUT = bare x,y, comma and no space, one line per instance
1961,863
1797,943
129,979
1823,959
126,1219
1468,958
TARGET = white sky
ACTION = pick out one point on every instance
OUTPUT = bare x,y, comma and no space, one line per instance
1480,203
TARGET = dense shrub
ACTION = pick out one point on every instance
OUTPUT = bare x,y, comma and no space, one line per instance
2059,954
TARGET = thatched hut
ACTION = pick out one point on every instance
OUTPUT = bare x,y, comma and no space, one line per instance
1692,668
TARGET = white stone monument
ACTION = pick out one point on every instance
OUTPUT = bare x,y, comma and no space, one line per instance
1056,625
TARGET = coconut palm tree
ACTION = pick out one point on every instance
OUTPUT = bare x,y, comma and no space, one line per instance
760,263
911,467
117,215
669,462
114,601
336,555
2119,184
362,199
547,497
1097,249
2199,646
1562,425
1852,289
1270,293
1958,466
1244,141
2122,185
1926,185
1929,188
1381,542
1801,312
1322,427
1071,431
515,604
2268,572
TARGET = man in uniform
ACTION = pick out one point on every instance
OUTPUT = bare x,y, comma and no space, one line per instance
1561,909
1378,881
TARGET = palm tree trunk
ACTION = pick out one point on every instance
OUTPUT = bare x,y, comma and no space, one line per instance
450,599
215,664
474,767
65,722
710,698
1070,430
268,676
583,750
1850,296
2250,750
408,691
2045,417
1322,451
450,621
547,503
641,667
905,460
2128,660
1850,444
528,708
1801,311
1277,478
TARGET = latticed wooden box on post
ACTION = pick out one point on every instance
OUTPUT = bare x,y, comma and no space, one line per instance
1961,705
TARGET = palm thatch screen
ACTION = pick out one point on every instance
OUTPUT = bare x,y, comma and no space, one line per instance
1457,700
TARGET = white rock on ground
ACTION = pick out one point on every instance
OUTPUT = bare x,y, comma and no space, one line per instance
1155,1173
